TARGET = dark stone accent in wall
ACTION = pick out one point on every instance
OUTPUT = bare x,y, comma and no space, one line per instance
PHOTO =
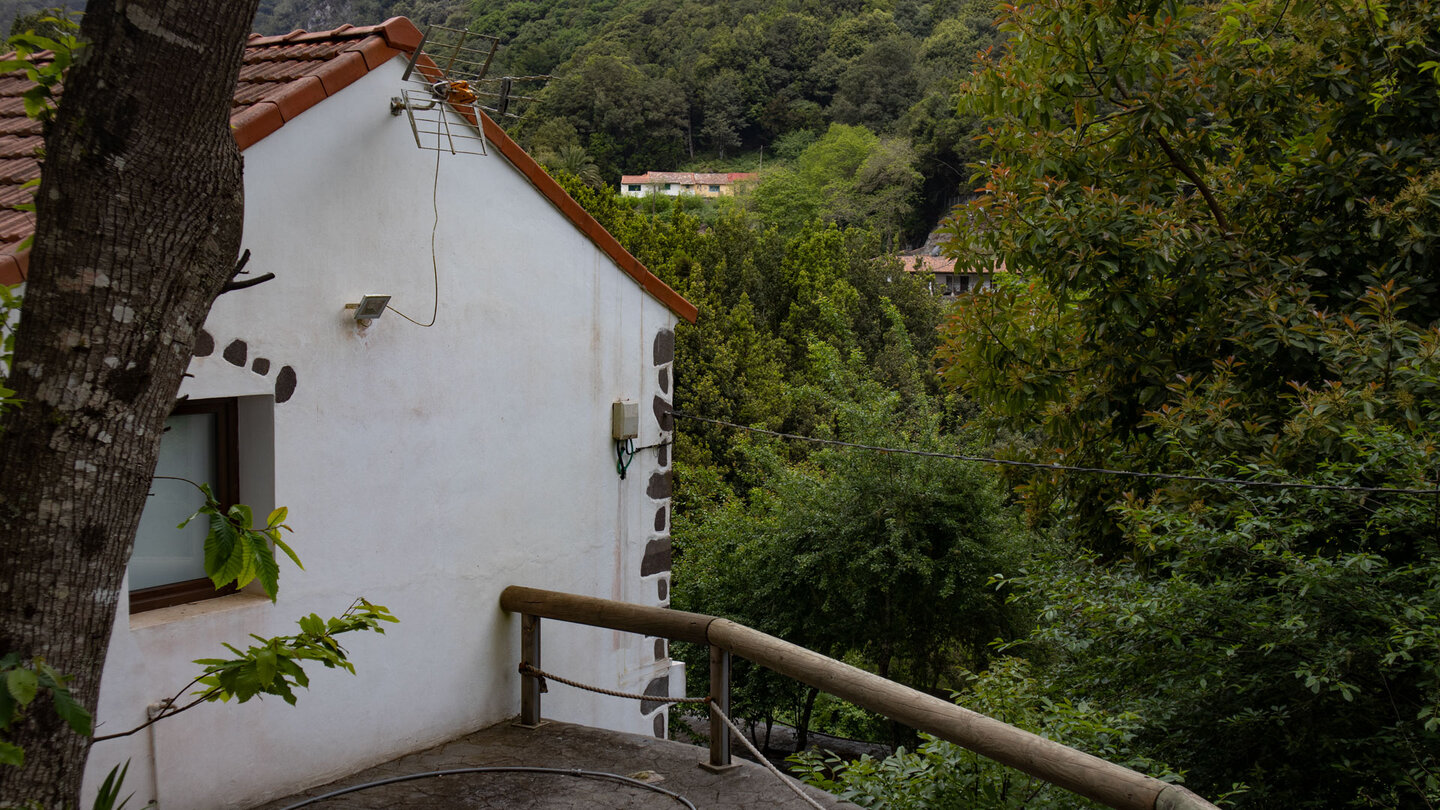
660,486
660,726
664,347
657,557
660,519
665,380
662,414
659,649
261,366
235,352
662,587
284,384
662,455
660,687
204,344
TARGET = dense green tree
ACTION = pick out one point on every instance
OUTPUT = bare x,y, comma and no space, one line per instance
880,559
848,176
879,85
723,111
1225,225
614,103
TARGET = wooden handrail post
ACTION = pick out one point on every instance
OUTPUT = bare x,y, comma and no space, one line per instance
719,707
530,684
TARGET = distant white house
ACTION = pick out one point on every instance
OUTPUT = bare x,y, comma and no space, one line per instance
425,466
673,184
946,278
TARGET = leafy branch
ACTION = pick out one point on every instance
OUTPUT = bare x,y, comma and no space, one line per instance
235,550
273,667
24,682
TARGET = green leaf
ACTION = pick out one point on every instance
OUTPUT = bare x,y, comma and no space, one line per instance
265,666
11,754
276,517
263,564
71,712
22,684
283,546
224,553
110,789
312,625
242,515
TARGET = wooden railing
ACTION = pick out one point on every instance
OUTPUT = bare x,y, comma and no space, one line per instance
1089,776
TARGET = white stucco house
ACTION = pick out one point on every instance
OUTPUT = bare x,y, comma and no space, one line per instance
425,467
675,184
947,278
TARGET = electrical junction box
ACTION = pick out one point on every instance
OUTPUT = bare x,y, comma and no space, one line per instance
624,420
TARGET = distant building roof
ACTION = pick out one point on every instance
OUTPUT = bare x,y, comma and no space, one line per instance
926,263
688,178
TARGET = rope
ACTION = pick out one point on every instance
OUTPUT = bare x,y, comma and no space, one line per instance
1040,465
790,783
526,669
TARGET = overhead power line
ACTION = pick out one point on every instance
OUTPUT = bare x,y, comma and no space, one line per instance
1057,467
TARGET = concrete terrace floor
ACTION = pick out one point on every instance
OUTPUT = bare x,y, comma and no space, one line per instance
671,766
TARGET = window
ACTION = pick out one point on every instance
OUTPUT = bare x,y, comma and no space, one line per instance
714,189
201,444
632,187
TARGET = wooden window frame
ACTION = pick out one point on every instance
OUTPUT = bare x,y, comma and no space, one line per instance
227,492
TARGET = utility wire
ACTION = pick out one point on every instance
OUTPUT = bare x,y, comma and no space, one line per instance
1057,467
434,262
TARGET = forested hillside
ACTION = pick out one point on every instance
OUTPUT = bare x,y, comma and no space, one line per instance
663,85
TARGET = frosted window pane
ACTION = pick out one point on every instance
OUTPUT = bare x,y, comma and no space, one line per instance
164,554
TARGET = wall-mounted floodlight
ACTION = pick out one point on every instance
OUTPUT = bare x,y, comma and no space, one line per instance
370,307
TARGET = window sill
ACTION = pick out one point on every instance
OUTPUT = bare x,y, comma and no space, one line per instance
191,610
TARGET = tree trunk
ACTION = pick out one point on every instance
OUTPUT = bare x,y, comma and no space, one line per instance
802,728
139,220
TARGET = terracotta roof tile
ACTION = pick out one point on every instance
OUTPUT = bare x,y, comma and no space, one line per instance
375,52
18,170
298,96
19,126
20,146
14,267
10,196
341,72
15,225
282,77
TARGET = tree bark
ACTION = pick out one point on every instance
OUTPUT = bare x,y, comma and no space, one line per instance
139,222
802,728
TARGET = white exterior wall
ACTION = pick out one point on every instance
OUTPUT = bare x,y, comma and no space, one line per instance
424,469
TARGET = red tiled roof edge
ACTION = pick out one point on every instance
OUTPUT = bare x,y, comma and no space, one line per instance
376,45
14,267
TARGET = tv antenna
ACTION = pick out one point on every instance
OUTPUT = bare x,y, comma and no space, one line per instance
450,65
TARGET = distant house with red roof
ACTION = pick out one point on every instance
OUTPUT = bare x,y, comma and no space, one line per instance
674,184
947,278
427,461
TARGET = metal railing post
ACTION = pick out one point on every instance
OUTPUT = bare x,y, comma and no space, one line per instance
530,684
719,705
